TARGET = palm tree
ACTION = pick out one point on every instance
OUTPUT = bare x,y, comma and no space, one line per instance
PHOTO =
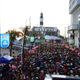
13,35
25,33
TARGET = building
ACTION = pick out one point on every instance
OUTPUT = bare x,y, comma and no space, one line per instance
4,51
47,30
41,20
74,28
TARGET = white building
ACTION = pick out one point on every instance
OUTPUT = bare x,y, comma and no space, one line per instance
4,51
54,30
74,28
46,30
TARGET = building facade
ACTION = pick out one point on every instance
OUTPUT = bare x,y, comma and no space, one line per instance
47,30
4,51
74,28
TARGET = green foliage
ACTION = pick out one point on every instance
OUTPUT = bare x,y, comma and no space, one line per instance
61,37
13,34
25,31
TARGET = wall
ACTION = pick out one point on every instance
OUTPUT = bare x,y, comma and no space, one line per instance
73,4
4,52
74,16
74,10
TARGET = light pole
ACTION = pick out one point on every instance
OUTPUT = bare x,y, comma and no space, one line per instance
65,37
23,43
11,36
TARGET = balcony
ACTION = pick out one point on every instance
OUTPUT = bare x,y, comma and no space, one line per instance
73,5
74,27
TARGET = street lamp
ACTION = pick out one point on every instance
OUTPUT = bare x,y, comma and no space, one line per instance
11,36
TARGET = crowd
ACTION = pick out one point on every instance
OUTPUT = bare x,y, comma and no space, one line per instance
52,60
57,59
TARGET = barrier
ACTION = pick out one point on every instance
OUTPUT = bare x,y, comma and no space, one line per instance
60,77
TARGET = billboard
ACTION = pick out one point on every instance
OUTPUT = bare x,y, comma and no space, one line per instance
4,40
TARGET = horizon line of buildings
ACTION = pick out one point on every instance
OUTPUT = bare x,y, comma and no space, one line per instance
45,29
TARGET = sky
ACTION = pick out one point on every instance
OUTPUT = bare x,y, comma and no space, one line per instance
16,14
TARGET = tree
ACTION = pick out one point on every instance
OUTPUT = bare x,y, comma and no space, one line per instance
61,36
13,35
25,31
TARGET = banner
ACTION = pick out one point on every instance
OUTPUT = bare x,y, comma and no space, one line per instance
32,39
4,40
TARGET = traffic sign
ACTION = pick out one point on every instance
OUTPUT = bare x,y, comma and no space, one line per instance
4,40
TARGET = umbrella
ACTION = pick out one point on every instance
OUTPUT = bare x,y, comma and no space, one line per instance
3,60
6,59
47,37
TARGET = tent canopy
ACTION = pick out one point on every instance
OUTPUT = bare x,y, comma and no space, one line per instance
47,37
6,59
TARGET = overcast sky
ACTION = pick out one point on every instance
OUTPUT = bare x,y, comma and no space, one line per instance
16,13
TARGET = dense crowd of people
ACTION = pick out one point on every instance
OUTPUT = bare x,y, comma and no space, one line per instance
48,59
60,60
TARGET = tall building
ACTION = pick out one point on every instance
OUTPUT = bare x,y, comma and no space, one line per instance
41,22
74,28
41,19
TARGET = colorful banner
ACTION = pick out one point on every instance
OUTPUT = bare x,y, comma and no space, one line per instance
4,40
32,39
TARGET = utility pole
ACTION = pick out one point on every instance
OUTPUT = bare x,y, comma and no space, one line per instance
23,43
11,35
22,57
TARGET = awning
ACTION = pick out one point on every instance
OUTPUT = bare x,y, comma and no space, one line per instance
6,59
47,37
